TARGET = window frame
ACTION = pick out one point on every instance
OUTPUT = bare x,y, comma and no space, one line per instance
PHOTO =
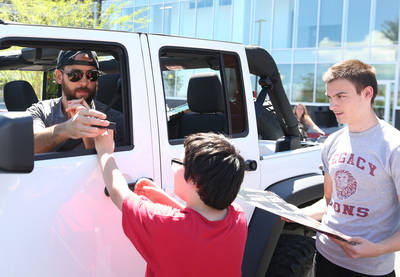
119,52
220,54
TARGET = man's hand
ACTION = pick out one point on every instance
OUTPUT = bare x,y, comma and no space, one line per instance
359,247
80,125
76,105
77,108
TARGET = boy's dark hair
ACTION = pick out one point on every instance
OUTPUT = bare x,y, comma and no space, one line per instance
360,74
215,166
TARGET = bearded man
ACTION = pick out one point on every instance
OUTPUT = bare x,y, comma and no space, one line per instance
75,119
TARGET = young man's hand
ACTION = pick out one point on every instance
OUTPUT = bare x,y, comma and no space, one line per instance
359,247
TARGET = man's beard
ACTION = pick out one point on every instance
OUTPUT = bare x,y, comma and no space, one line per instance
71,94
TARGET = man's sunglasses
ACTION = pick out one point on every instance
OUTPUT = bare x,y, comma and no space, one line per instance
77,74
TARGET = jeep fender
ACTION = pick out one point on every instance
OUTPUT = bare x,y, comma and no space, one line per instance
265,228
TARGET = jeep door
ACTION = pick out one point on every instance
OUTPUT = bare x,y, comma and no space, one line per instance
219,71
57,220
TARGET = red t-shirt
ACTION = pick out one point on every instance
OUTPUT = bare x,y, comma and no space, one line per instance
182,242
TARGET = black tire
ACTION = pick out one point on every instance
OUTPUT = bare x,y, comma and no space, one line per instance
293,257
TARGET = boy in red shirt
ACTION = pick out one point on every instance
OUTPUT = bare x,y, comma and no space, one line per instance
205,238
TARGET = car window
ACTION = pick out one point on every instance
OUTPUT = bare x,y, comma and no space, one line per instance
203,92
27,76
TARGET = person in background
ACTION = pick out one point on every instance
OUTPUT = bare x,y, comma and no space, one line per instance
204,238
305,121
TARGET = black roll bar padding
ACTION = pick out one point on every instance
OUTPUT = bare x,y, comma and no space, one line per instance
263,65
266,84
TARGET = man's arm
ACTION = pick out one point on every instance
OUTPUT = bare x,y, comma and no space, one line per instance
318,209
78,126
47,139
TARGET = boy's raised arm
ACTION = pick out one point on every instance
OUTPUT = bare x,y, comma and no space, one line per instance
113,178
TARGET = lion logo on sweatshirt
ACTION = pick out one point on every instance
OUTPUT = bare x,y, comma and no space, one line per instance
346,184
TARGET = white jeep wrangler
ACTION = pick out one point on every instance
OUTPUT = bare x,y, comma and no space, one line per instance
55,217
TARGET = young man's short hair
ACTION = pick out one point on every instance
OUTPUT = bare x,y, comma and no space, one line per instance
215,166
361,75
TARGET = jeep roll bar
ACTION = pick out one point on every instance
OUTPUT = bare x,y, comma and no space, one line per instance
263,65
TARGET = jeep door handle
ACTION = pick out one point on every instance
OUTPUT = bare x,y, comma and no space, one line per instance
130,185
251,165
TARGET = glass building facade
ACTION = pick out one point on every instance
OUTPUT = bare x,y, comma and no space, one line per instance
305,37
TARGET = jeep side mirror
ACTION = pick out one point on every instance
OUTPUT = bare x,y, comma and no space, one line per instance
16,142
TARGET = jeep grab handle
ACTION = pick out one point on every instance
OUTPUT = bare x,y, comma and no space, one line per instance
251,165
130,185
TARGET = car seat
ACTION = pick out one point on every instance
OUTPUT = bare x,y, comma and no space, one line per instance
19,95
109,91
206,103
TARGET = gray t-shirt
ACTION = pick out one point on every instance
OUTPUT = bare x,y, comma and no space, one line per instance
365,172
49,112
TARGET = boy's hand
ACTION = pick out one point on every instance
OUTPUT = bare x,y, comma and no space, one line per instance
153,192
104,143
149,189
144,182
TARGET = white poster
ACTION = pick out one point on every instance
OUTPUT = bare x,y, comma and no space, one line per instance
271,202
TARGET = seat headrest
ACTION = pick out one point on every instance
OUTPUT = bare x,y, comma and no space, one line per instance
205,93
107,87
19,95
109,91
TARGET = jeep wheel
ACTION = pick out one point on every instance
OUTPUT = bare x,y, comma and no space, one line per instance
293,257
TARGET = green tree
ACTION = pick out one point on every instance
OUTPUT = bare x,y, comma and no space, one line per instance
71,13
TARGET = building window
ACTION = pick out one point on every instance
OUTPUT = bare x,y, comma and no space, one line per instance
358,16
283,24
330,30
201,4
204,26
222,22
187,21
320,89
225,2
307,23
171,19
262,23
303,83
386,22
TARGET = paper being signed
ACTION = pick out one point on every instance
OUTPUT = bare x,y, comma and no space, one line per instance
271,202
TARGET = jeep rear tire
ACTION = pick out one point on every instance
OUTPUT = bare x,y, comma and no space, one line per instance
293,257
